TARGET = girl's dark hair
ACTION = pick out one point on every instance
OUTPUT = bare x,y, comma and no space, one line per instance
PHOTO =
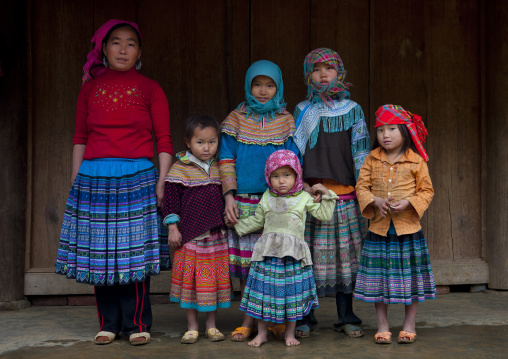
106,38
201,121
408,141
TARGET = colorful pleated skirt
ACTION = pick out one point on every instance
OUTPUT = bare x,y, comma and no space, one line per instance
111,231
336,247
279,289
395,269
240,248
200,277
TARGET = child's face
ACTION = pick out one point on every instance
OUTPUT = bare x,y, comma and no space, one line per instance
263,88
323,73
203,143
122,49
390,138
283,179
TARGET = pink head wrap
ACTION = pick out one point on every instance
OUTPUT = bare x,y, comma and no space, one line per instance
94,66
279,159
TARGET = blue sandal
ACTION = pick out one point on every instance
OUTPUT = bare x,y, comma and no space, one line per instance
304,329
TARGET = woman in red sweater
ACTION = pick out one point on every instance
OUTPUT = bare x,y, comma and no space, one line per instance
109,233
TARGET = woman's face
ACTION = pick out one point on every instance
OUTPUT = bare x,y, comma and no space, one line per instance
122,49
263,88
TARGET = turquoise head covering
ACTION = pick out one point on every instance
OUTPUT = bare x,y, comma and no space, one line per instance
258,110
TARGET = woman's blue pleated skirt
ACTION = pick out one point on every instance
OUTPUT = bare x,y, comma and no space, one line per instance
111,231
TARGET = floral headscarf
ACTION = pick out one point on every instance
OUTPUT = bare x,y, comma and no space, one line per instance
279,159
263,111
94,66
396,115
335,90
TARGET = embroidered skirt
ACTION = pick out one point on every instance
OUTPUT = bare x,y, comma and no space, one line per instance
240,248
279,289
200,278
336,247
110,227
395,269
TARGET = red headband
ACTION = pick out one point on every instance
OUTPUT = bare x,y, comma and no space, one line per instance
396,115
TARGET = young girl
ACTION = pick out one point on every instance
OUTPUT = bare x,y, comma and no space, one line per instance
256,129
109,233
193,208
394,190
333,138
280,286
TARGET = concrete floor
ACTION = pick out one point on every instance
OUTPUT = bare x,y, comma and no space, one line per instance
456,325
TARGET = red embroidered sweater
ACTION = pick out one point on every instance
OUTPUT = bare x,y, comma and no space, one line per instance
117,113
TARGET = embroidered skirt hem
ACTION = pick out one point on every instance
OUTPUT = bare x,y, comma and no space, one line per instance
395,269
279,289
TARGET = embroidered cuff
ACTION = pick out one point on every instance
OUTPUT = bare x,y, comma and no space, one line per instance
170,219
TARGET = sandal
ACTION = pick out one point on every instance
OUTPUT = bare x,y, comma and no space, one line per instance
304,329
214,335
383,338
110,335
144,335
190,337
279,331
406,337
350,329
244,331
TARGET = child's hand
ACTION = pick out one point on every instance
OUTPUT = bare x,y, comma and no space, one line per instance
174,236
227,221
399,206
231,212
319,190
383,204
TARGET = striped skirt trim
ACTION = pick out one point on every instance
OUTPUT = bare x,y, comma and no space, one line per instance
336,247
110,227
395,269
279,289
240,248
200,278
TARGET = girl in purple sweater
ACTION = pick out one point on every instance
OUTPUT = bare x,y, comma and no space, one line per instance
193,207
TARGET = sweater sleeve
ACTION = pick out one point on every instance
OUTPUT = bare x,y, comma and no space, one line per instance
159,113
81,131
424,190
227,163
360,143
363,188
324,209
172,201
253,223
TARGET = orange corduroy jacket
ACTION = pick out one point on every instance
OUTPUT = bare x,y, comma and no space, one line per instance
408,178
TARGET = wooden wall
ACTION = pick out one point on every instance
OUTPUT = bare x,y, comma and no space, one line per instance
425,56
13,143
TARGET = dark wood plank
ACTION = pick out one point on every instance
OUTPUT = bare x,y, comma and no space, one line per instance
343,25
453,115
13,146
59,48
497,136
114,9
280,33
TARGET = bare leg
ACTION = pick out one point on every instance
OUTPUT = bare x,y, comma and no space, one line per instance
210,320
192,319
262,336
290,334
382,317
409,319
248,322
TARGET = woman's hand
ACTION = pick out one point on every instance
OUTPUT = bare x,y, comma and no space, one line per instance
159,190
383,204
231,212
399,206
174,236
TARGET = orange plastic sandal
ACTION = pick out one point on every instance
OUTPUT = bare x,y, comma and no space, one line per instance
406,337
244,331
383,338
